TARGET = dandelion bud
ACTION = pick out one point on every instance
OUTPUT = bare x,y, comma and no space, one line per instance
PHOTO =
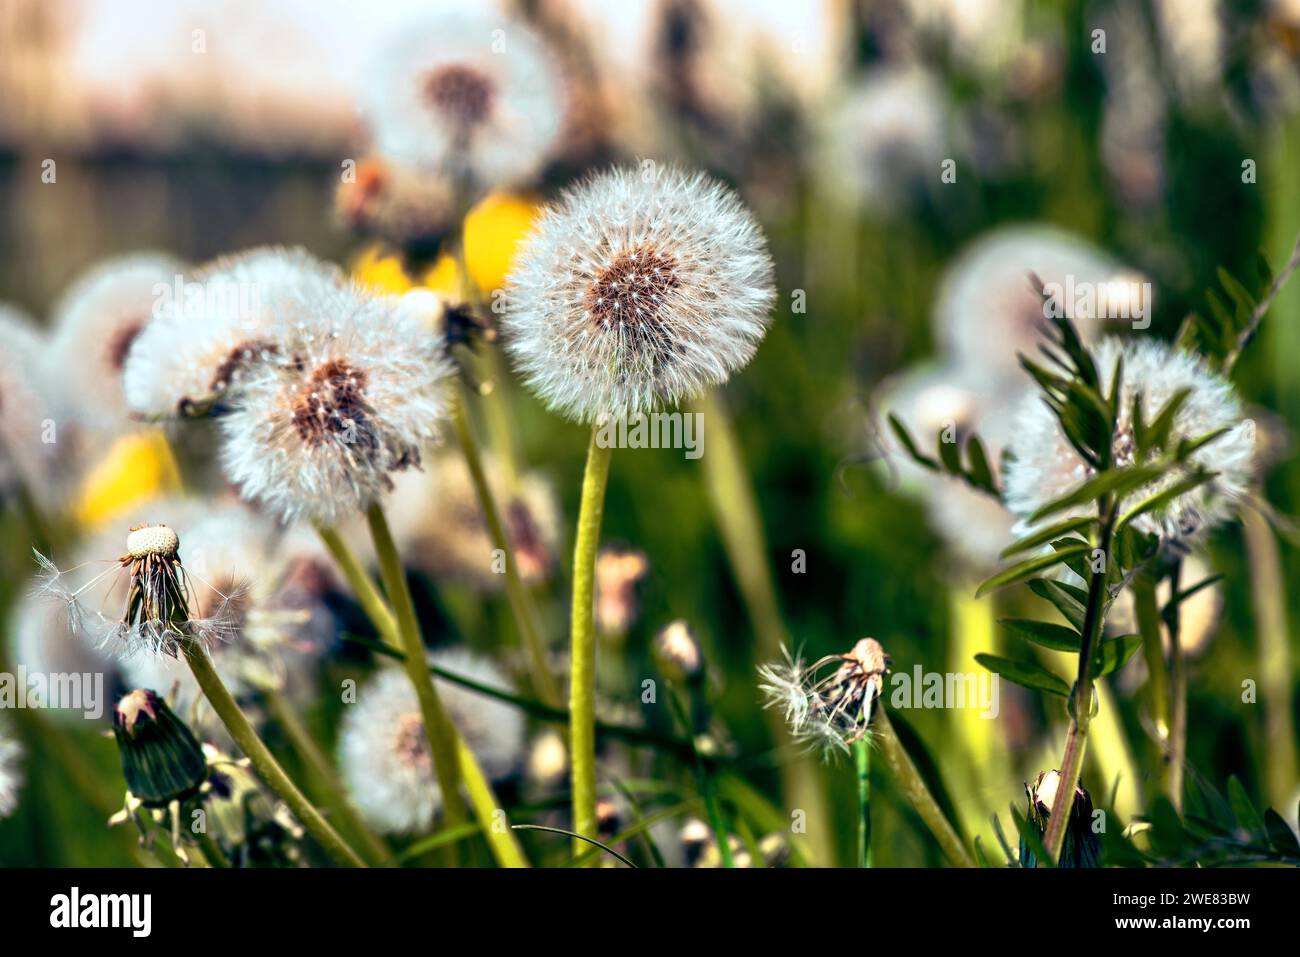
1082,848
162,761
617,573
677,653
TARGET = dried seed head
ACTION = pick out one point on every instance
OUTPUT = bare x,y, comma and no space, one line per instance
461,93
152,540
677,653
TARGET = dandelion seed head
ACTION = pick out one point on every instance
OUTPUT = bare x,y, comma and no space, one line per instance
156,540
26,460
987,312
359,394
227,322
383,750
407,206
1045,466
466,94
94,328
632,294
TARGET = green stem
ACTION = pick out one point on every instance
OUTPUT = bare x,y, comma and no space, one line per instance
1153,652
438,729
1178,697
212,851
582,679
862,759
739,523
264,763
1268,595
319,766
912,785
452,751
372,602
521,603
704,780
1076,739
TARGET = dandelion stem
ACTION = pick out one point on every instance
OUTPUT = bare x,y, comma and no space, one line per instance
305,746
264,763
1153,652
1178,697
212,851
372,602
582,679
913,787
1076,739
438,729
521,602
736,512
1268,594
862,759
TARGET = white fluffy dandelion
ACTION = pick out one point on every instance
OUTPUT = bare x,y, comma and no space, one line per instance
408,206
887,137
827,704
94,328
987,311
11,777
632,293
468,94
41,642
359,391
27,458
1046,466
223,323
384,754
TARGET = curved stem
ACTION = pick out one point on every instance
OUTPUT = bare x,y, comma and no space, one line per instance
521,603
305,746
264,763
582,679
438,729
913,788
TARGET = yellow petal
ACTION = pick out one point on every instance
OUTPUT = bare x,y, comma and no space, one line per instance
380,270
493,231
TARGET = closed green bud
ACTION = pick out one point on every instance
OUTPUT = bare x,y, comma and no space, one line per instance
161,759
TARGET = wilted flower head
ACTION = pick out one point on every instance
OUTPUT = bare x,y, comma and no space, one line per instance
163,607
827,704
888,137
987,311
439,526
461,92
359,391
636,291
227,320
275,630
1082,848
618,571
1046,466
11,778
161,759
384,753
94,327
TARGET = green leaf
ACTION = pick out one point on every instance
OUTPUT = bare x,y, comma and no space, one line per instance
979,473
1043,536
1027,674
1027,569
1113,481
1044,633
1280,834
1243,810
1160,499
1112,653
1157,435
901,433
1071,602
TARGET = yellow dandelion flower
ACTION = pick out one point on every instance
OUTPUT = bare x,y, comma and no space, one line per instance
138,467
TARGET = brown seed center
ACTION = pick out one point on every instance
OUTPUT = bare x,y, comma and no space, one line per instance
630,292
332,404
119,344
411,744
241,357
461,93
